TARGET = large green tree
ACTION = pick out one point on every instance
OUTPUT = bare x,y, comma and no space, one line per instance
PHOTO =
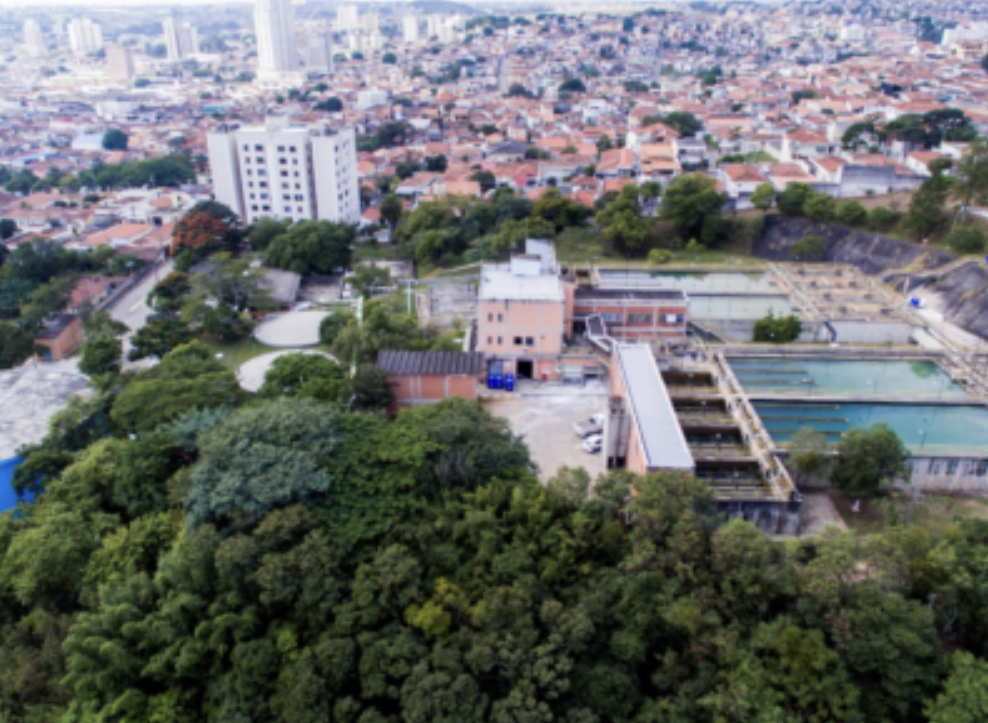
868,459
689,201
312,246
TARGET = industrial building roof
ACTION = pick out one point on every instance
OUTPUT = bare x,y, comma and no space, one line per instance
582,293
497,283
431,362
662,439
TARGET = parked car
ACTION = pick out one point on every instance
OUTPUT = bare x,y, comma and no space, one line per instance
593,443
304,306
594,425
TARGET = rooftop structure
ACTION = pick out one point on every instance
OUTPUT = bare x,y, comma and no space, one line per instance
656,441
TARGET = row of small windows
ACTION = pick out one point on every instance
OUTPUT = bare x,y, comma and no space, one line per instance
500,317
518,341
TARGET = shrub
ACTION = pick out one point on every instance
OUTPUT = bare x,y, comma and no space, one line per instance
657,257
882,219
809,248
778,329
851,213
966,240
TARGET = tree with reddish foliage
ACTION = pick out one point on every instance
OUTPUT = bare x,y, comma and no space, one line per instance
206,228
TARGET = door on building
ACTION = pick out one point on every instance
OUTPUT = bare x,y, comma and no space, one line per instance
524,368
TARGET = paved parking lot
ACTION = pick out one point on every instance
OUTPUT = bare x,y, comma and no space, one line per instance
543,414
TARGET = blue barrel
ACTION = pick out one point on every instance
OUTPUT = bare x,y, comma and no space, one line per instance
490,381
498,381
509,382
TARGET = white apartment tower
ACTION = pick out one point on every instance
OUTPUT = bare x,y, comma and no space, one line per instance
315,49
286,171
410,28
277,56
85,37
181,39
34,42
119,62
347,17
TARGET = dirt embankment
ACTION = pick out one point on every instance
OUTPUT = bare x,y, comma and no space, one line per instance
870,252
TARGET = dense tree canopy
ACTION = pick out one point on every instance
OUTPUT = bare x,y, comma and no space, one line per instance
311,246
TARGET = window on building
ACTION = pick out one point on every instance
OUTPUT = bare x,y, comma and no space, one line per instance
298,186
294,161
281,149
490,341
252,197
284,174
952,466
518,341
254,207
288,209
283,161
261,172
499,341
300,210
265,208
292,149
260,159
490,317
529,341
246,148
264,196
500,317
262,184
250,184
611,318
639,318
259,148
286,197
296,174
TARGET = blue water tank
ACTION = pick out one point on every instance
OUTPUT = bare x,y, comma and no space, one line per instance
509,382
916,302
498,381
490,381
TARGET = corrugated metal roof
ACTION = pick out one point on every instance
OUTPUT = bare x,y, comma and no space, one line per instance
430,362
662,439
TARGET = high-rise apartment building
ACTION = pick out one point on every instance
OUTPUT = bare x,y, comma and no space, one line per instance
315,49
85,37
347,17
410,28
181,39
34,42
369,22
119,62
277,56
286,171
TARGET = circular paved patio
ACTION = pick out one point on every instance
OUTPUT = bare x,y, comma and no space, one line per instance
251,373
293,329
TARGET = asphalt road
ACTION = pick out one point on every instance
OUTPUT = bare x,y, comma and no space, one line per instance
130,308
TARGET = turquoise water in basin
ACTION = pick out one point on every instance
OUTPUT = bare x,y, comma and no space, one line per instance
862,378
925,429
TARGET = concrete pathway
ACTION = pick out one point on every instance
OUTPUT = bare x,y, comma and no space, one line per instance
250,375
293,329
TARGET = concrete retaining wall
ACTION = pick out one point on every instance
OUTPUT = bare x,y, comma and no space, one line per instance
770,516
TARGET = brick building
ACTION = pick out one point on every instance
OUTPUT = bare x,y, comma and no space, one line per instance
61,335
427,377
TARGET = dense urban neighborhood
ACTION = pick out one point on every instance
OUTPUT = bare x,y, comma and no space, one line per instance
508,362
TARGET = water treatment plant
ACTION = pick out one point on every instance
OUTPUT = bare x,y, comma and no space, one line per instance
686,388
